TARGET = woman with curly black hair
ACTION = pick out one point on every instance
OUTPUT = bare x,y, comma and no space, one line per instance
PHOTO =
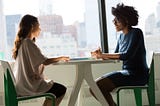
130,49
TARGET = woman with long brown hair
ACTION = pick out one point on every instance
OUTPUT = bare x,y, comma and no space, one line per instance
30,62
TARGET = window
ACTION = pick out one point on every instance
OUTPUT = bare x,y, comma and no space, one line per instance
69,27
149,22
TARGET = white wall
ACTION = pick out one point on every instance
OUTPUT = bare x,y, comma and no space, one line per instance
65,74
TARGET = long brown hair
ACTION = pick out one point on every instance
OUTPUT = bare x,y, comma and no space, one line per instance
27,23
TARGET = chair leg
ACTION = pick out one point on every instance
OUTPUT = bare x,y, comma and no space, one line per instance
118,104
151,96
138,96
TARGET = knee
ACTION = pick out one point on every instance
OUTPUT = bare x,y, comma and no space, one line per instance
64,89
105,85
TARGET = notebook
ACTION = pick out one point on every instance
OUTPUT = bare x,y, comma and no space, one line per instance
81,58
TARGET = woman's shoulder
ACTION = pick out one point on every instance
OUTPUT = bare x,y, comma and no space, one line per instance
136,30
137,33
27,41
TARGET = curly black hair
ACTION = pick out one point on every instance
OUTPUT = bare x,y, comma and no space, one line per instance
127,15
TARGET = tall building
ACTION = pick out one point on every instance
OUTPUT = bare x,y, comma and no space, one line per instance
81,34
51,23
158,15
158,11
12,22
92,22
150,24
59,39
3,42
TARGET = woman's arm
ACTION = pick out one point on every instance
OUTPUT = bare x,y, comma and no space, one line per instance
99,55
54,60
110,55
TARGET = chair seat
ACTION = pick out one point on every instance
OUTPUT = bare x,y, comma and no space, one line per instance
21,98
149,87
129,87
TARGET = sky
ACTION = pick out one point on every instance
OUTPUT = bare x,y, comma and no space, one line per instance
74,11
60,7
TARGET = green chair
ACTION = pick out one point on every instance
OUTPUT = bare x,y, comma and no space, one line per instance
11,98
150,87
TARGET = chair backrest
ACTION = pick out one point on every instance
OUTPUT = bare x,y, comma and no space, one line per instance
150,57
9,85
5,66
151,72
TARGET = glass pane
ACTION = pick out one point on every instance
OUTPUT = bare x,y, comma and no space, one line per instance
149,22
68,27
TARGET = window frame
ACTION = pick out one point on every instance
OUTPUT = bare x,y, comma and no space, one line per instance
103,26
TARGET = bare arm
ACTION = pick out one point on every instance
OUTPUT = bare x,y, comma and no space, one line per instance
98,54
110,56
54,60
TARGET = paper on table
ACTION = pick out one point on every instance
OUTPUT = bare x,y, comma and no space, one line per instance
82,58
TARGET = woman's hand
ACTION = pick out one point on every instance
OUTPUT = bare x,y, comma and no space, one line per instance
97,54
56,59
64,58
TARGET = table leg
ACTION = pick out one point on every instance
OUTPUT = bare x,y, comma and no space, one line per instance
80,97
77,84
89,79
